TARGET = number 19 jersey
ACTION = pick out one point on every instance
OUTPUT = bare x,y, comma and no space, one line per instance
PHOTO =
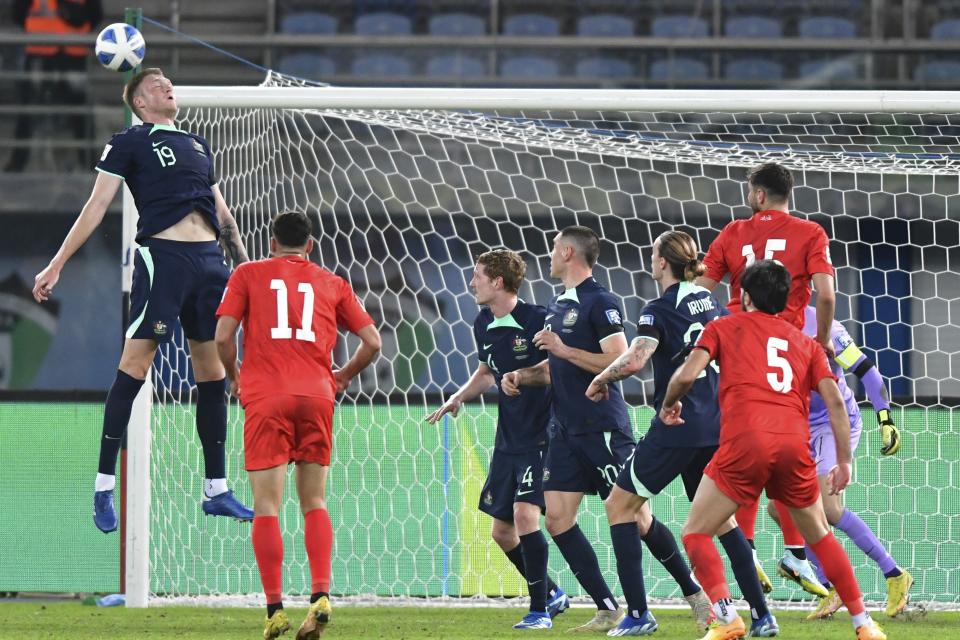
290,309
799,245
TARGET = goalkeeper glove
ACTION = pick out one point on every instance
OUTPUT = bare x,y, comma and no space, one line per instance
889,435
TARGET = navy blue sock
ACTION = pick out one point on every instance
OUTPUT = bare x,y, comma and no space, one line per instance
212,426
516,556
629,553
663,547
582,560
741,561
535,552
116,415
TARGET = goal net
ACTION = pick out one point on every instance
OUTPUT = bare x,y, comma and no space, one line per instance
404,198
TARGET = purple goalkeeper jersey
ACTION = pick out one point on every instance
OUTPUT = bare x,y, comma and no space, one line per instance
848,357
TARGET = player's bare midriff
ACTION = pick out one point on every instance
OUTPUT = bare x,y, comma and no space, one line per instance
193,227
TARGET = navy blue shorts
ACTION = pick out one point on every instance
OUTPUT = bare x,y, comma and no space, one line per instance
176,280
513,477
652,467
586,462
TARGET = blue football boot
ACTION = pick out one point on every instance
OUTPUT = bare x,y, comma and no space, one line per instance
558,604
225,504
104,514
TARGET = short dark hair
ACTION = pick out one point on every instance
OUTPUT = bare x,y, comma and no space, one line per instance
586,242
773,178
130,90
506,264
768,283
291,229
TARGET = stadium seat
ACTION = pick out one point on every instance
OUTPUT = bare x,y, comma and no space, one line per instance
679,27
382,23
456,65
826,27
605,26
529,66
457,24
679,69
753,69
938,71
531,24
753,27
309,66
830,69
946,30
604,67
309,22
381,65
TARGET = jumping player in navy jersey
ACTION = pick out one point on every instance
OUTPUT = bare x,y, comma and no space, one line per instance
512,494
589,442
666,329
179,274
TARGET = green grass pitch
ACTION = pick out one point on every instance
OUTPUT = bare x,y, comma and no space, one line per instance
70,621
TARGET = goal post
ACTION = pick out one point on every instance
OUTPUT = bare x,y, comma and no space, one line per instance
406,186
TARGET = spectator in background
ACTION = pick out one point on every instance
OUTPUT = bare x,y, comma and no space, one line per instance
54,74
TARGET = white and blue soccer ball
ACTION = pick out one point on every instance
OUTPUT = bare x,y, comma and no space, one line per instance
120,47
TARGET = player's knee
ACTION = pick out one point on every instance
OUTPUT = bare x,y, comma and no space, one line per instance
558,522
833,512
617,509
526,517
504,534
644,519
309,503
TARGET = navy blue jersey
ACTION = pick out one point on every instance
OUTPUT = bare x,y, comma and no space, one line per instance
676,319
169,172
583,317
506,344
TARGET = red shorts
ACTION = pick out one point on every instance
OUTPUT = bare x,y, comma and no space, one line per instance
779,463
283,429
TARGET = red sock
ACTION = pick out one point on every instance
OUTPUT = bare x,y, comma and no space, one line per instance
318,539
836,566
707,565
747,519
791,535
268,549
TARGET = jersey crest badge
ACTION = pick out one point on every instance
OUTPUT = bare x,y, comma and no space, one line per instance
199,147
645,319
613,316
546,474
570,317
160,328
488,499
520,344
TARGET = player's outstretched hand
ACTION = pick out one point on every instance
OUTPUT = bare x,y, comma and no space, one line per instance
598,390
550,342
889,434
839,477
451,406
510,383
342,381
44,282
671,415
235,389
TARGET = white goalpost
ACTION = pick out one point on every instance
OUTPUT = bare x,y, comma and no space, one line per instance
406,186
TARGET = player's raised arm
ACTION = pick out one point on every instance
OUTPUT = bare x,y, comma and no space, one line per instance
680,383
230,238
629,363
481,380
104,189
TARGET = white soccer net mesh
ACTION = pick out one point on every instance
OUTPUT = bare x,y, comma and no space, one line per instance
405,200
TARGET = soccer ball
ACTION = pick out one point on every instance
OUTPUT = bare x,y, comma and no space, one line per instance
120,47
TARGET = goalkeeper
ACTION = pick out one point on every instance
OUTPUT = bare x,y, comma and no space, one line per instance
823,449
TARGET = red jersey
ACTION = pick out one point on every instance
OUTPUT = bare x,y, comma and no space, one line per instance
768,368
799,245
290,309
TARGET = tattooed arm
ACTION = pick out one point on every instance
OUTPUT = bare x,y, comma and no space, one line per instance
230,238
630,363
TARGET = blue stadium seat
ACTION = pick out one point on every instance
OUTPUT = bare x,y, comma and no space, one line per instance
529,66
605,26
381,65
307,65
309,22
830,69
946,30
382,23
753,27
826,27
604,67
679,69
456,65
457,24
938,71
752,69
531,24
679,27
